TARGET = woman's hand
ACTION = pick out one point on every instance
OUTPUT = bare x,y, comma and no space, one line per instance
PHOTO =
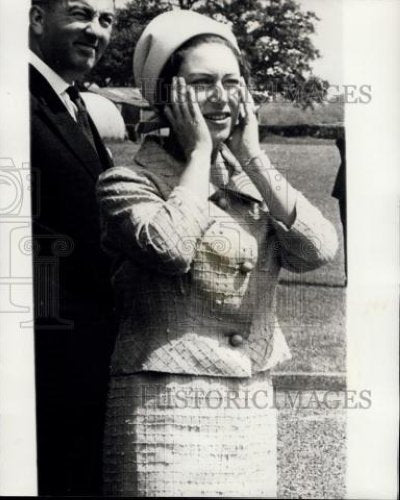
244,141
191,131
186,120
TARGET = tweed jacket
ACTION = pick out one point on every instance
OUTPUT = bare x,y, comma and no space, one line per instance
195,279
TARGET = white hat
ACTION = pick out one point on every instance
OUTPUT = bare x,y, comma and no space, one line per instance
165,34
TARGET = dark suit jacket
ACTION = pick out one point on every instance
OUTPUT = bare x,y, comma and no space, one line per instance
74,329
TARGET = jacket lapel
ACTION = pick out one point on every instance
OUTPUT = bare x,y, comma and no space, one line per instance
103,152
155,160
240,183
242,186
53,111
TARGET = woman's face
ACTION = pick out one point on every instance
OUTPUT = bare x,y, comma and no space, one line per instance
213,71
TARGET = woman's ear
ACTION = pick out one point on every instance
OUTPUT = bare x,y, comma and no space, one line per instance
37,16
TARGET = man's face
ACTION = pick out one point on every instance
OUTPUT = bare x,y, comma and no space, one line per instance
74,34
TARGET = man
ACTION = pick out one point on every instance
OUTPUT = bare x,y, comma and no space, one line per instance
339,192
74,325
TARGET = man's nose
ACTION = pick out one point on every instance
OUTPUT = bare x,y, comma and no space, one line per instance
94,28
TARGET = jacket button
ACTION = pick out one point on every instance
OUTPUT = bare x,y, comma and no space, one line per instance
236,340
223,202
246,266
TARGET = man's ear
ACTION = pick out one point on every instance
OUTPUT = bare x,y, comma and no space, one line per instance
37,17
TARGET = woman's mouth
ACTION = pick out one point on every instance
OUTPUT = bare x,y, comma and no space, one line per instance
221,118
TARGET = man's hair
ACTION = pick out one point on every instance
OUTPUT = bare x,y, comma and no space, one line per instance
46,4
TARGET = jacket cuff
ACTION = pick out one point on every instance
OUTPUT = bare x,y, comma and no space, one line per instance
315,234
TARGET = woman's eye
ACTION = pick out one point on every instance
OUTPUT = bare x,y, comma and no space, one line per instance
232,82
201,82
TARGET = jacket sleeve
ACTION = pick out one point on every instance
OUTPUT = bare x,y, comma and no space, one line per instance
311,240
139,222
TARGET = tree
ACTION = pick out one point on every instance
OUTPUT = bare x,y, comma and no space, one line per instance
273,34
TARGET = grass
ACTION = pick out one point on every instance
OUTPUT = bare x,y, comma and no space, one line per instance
271,138
310,307
311,449
312,319
284,113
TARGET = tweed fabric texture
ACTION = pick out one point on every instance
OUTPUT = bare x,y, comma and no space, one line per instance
179,435
190,273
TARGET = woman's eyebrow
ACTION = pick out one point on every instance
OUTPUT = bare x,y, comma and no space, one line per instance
212,74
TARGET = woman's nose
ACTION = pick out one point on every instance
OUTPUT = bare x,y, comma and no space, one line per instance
219,93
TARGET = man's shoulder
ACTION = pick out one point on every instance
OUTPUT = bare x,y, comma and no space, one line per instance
39,88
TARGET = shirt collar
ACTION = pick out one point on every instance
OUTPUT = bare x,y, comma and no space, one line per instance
58,84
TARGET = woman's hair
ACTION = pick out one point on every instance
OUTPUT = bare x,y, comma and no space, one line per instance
172,66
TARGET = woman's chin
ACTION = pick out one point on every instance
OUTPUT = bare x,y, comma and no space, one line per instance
218,137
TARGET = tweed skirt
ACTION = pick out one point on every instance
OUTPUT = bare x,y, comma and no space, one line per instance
183,435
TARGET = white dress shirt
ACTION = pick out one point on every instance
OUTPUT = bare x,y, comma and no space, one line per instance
58,84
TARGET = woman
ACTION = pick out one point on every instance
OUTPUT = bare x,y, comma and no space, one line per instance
199,226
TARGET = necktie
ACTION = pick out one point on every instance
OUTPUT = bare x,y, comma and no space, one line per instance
82,117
